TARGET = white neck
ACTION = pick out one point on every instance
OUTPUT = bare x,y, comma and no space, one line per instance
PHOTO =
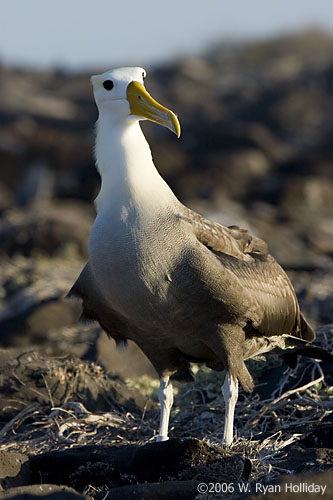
124,161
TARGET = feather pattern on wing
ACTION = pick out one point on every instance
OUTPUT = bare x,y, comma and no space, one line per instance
230,240
275,309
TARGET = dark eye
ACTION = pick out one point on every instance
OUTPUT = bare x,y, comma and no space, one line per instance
143,76
108,85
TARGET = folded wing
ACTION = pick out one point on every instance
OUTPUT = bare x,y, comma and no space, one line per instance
274,309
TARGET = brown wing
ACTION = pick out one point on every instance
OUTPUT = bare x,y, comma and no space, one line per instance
94,308
230,240
274,308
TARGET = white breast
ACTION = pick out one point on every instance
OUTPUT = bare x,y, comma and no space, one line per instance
132,248
132,262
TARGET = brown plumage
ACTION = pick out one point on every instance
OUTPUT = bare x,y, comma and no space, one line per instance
263,307
182,287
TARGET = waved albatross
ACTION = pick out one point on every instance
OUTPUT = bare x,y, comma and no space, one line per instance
183,288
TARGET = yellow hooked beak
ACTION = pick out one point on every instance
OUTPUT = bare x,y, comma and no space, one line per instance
142,104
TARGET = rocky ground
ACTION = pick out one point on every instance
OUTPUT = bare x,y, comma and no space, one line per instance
78,417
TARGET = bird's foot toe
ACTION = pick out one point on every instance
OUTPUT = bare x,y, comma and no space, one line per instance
162,438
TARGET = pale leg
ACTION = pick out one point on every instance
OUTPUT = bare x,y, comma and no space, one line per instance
230,394
165,396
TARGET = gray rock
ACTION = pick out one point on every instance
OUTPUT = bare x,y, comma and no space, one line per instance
41,491
14,469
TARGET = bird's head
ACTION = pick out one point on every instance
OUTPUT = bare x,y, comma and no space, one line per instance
121,92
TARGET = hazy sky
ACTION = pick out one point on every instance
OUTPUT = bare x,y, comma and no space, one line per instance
79,34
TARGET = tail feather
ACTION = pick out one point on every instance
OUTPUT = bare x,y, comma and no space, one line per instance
315,352
306,330
308,351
